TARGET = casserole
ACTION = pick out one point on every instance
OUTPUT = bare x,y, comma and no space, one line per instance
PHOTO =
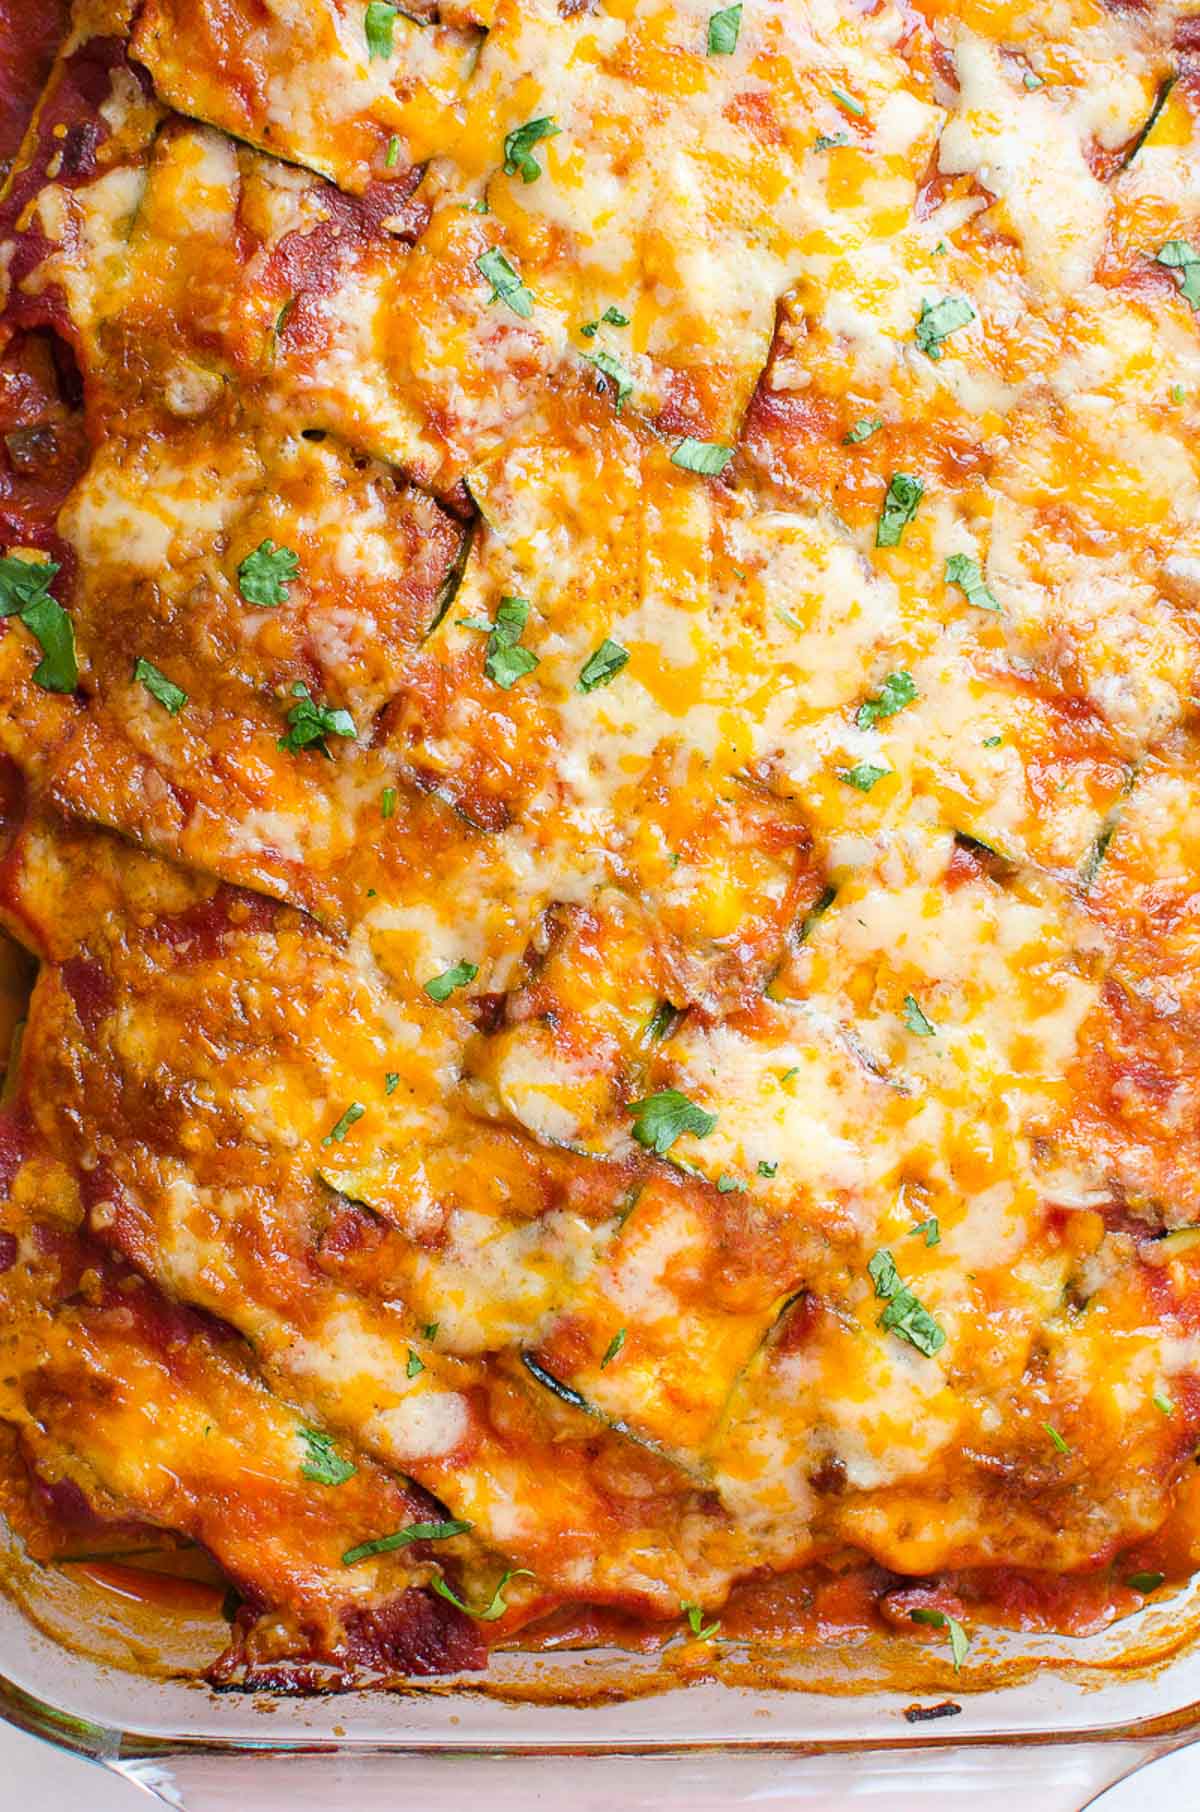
598,716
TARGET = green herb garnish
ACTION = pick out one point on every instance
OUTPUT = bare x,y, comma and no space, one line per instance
1184,265
170,696
967,574
379,27
25,593
601,666
264,575
505,661
941,1620
904,494
415,1365
616,373
904,1315
695,1616
1061,1445
387,1544
915,1020
495,1608
505,281
862,430
723,29
309,723
898,689
324,1464
708,457
938,320
862,775
613,1348
441,987
518,148
658,1120
338,1132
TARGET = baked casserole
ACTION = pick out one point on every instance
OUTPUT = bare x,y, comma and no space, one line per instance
601,789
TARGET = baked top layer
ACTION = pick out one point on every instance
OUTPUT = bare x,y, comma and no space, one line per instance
604,788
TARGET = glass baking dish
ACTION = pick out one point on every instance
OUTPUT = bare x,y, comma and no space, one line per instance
1066,1719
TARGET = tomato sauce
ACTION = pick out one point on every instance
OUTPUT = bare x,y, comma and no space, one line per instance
29,36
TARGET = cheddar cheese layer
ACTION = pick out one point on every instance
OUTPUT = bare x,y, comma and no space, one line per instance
600,706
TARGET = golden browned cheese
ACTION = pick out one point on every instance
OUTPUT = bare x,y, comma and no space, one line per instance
602,770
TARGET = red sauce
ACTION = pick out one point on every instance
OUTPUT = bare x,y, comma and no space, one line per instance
30,33
163,1591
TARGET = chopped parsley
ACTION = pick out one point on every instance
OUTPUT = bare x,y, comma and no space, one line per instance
730,1185
723,29
170,696
387,1544
25,593
505,281
324,1464
695,1616
1032,81
915,1020
658,1120
767,1169
967,574
264,575
1145,1582
387,802
938,320
613,1348
612,317
904,494
379,27
1060,1445
391,1082
415,1365
441,987
898,689
862,775
992,742
518,148
51,627
1184,264
430,1330
904,1315
505,661
601,666
1163,1404
930,1229
941,1620
616,373
393,153
848,102
495,1608
862,430
1177,393
309,723
708,457
338,1132
23,582
830,141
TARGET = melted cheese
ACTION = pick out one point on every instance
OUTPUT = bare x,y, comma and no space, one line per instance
375,1056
